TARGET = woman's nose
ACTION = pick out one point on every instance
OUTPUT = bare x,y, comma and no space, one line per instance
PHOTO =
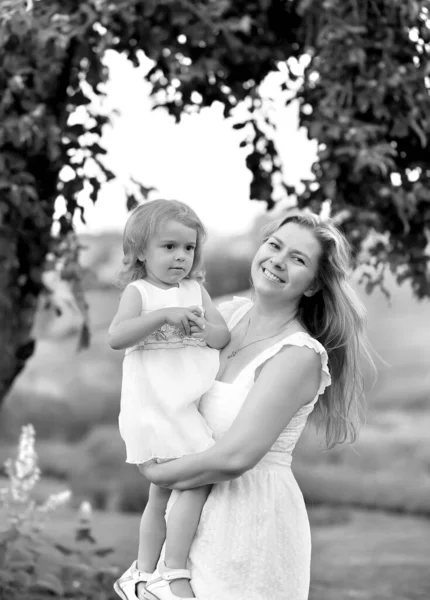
278,262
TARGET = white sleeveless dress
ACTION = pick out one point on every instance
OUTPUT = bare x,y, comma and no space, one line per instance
164,377
253,540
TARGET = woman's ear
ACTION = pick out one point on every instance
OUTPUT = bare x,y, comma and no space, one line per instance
312,289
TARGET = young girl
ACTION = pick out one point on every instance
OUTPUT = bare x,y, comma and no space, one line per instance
171,332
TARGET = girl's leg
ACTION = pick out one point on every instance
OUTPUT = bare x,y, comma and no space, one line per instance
151,539
152,531
181,528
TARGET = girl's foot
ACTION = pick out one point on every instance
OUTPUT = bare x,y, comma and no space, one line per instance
169,584
127,586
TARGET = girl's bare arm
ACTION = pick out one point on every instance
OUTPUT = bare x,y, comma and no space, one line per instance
216,333
129,327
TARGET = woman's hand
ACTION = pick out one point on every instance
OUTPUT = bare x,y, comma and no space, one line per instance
189,471
152,473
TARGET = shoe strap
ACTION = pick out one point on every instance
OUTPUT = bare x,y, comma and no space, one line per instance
143,575
173,574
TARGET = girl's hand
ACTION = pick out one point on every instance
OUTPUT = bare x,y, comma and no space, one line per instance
199,328
183,318
199,332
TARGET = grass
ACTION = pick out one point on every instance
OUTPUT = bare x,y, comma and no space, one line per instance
356,554
372,557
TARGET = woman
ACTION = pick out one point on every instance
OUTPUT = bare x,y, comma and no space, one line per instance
294,351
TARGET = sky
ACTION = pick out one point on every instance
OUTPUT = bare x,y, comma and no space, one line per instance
197,161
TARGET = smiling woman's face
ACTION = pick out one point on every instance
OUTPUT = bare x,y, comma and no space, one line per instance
286,265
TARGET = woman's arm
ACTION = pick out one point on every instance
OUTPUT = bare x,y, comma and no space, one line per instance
215,333
286,382
129,327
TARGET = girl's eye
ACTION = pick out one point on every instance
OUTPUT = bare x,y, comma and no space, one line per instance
190,248
169,246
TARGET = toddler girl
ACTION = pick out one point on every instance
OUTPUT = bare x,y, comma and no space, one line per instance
171,333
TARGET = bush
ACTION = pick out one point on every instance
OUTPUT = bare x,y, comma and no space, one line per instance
32,565
386,469
104,478
133,490
237,254
57,459
96,477
339,486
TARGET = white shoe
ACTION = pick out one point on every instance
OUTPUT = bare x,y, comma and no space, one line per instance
126,585
158,588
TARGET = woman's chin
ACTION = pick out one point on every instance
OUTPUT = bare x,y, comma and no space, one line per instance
266,288
263,285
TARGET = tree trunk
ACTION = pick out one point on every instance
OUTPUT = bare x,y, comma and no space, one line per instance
18,304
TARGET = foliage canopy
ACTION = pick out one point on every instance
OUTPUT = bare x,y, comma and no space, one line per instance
363,96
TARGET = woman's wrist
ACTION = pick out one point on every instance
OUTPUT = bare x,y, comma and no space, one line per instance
194,470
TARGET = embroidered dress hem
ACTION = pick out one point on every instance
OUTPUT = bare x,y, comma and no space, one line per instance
171,345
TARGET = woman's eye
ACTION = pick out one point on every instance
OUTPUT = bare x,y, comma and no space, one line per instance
274,245
300,260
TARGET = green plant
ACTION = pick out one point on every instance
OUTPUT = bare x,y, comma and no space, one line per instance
32,563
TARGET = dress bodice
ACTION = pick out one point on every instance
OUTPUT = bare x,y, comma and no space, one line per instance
187,293
222,403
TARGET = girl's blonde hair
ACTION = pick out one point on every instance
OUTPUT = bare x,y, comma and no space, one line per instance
142,224
335,317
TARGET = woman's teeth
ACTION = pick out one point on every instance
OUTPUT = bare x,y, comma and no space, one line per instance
272,277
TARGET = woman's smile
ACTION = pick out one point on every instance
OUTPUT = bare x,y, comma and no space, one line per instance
289,260
271,276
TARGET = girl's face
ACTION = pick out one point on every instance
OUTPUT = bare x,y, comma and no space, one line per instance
169,255
286,265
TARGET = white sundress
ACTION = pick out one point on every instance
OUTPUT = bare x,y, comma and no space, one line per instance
164,377
253,540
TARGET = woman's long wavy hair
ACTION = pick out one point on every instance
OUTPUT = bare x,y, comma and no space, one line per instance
335,317
143,223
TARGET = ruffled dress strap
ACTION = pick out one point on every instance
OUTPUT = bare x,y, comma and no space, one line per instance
233,310
300,338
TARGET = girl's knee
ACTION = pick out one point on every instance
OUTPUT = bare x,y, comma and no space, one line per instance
159,492
158,497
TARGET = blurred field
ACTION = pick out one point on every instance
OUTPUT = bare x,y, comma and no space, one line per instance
73,400
371,557
356,555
